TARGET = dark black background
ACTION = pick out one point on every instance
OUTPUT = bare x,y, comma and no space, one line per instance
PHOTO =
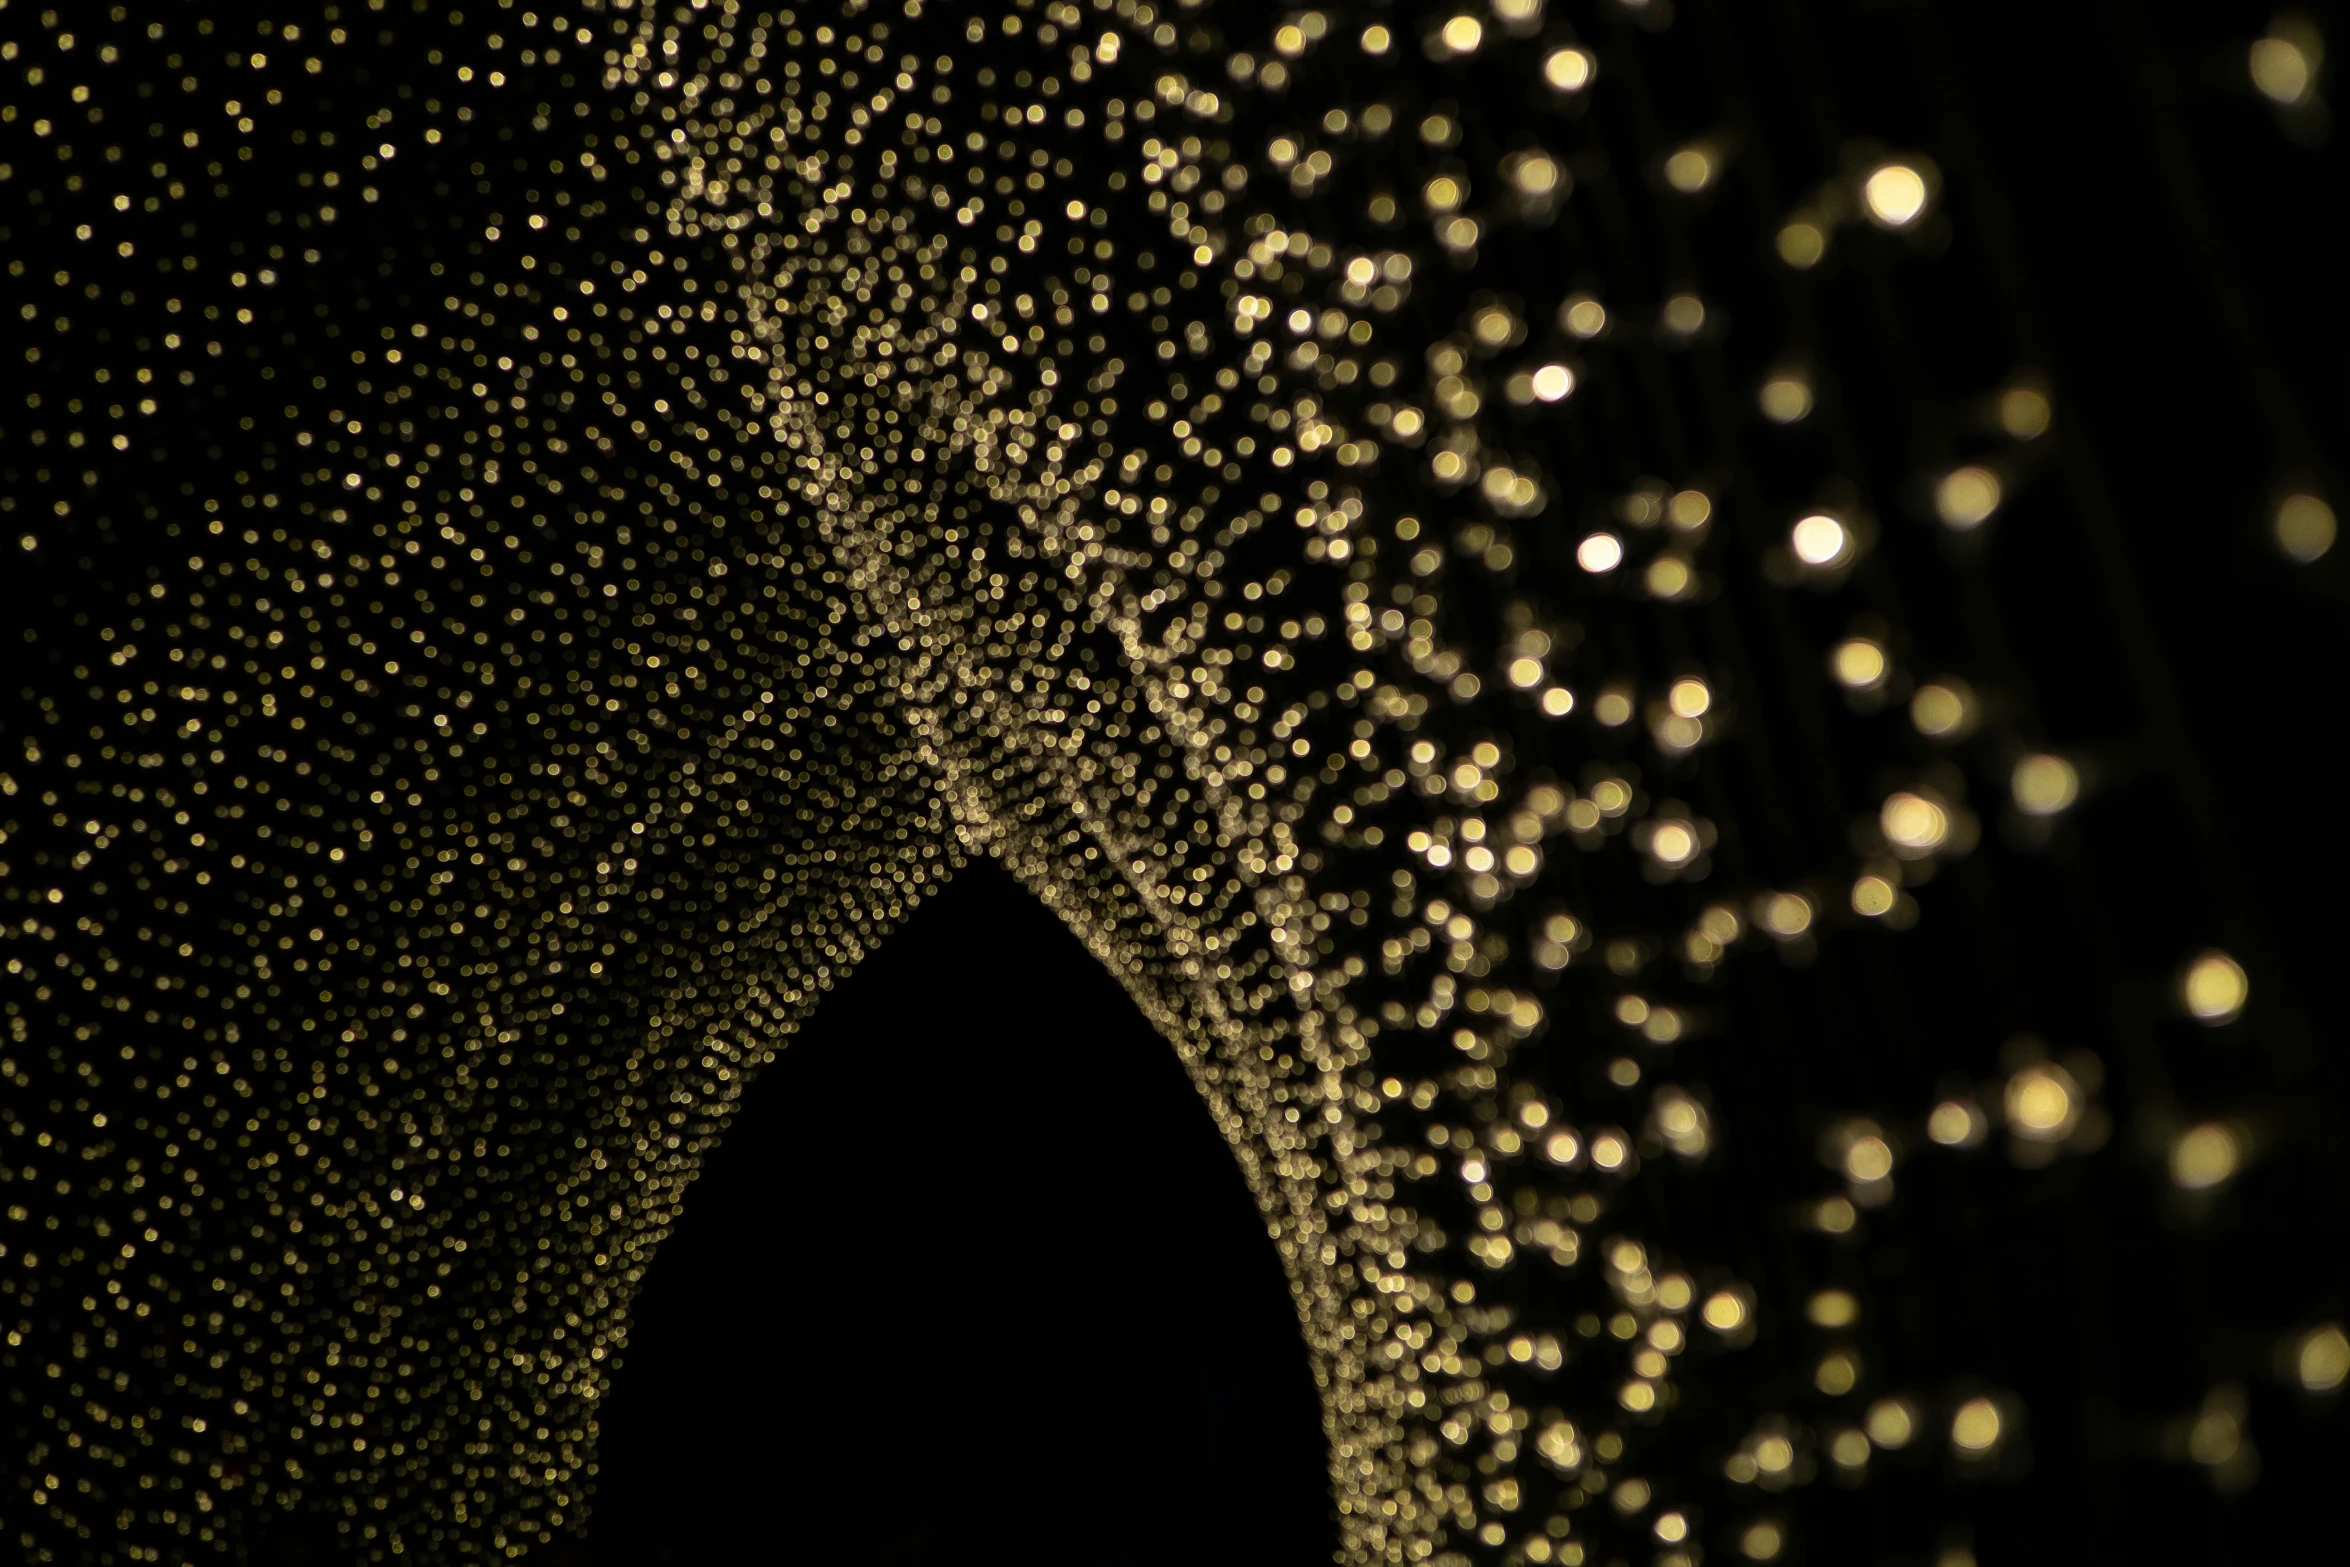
973,1243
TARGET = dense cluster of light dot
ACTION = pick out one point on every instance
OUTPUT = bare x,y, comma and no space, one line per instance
1428,538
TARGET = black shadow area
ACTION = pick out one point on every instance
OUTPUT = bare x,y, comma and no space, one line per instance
972,1279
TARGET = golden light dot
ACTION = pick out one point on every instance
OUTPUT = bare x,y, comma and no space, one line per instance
1833,1309
1724,1311
1820,541
1462,34
1673,843
2024,412
1553,382
1761,1542
2322,1359
1849,1449
2282,69
1377,39
1690,697
2215,988
1569,70
2044,785
1943,709
1975,1429
1868,1158
1895,195
1600,553
1774,1454
1536,174
1873,896
1914,823
1836,1374
1689,509
1858,664
1786,915
1442,193
1669,577
2043,1103
1525,673
1558,702
1785,398
1966,497
2304,528
1562,1147
1690,170
1890,1423
1802,244
1684,315
2205,1156
1560,1445
1954,1123
1583,316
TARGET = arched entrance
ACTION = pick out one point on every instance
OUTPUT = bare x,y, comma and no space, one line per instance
925,1279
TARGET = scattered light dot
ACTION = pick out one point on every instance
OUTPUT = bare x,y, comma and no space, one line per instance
1553,382
1858,664
1785,398
1802,244
1975,1429
1569,70
1966,497
1583,316
1895,195
1600,553
2044,785
2205,1156
2282,67
2043,1103
1890,1424
1690,170
1913,823
1943,709
2304,528
1462,34
2215,988
1724,1311
2322,1360
2024,412
1820,541
1690,698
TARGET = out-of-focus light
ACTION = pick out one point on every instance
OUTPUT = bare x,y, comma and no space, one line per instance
1600,553
1976,1428
2043,1103
1785,397
2304,527
1943,709
1966,497
1895,195
2284,63
1569,70
2205,1156
2215,988
2044,785
1858,664
1820,541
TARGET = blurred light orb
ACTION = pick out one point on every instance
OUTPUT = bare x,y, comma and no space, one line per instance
2215,988
2205,1156
1966,497
2044,785
1820,541
2304,528
1895,195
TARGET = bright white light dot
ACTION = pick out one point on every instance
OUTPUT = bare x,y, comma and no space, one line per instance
1820,540
1569,70
1602,552
1895,194
1553,382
